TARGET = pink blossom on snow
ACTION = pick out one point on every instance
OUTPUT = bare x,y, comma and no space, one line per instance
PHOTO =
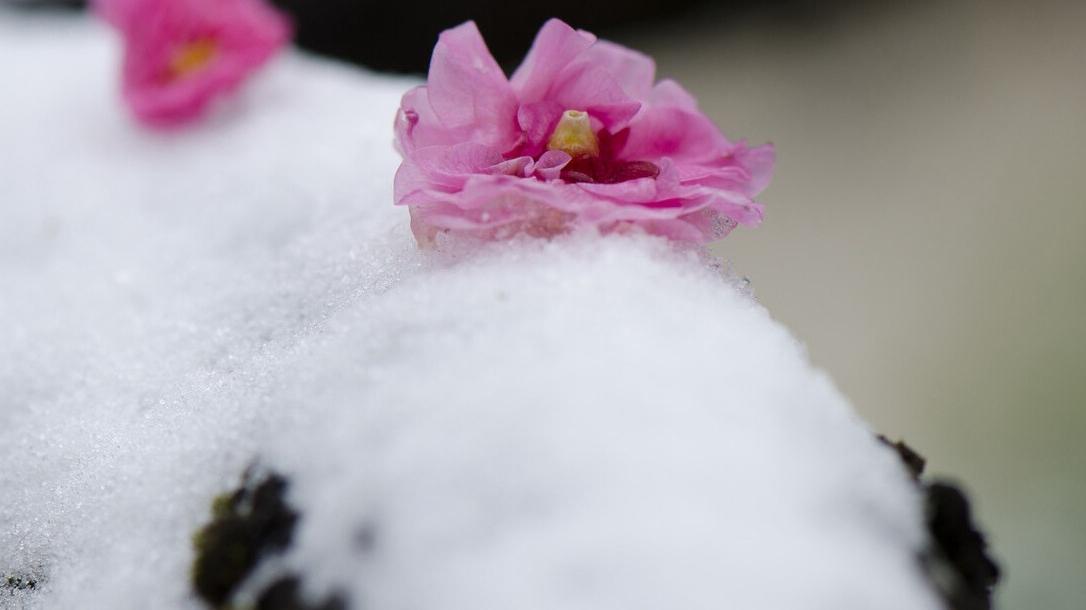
181,54
579,135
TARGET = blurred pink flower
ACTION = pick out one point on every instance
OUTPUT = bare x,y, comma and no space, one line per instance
180,54
580,135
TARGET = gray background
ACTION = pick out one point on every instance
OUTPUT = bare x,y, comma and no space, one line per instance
924,238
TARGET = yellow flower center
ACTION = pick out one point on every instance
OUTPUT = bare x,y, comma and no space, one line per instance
192,57
574,136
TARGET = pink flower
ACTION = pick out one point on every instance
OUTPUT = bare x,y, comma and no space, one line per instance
580,135
180,54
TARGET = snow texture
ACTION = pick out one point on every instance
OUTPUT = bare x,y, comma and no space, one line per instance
586,423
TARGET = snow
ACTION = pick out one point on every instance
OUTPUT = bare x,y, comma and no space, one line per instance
585,423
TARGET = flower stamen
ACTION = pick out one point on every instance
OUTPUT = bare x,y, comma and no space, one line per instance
192,57
574,136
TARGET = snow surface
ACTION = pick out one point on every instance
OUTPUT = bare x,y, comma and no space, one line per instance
588,423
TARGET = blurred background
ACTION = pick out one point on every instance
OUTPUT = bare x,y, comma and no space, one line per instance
926,230
926,237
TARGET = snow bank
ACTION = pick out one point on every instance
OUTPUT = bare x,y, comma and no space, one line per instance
588,423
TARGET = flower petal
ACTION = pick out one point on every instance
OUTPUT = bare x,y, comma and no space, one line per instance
554,48
409,179
671,131
537,121
677,229
584,85
550,164
640,191
413,119
632,70
243,34
758,161
670,93
466,88
449,166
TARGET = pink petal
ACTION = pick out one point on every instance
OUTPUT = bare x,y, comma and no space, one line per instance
409,179
736,206
633,71
488,202
573,70
670,93
675,229
594,90
550,164
517,166
759,163
449,166
466,88
640,191
414,115
537,121
555,46
713,175
448,169
585,86
670,131
748,170
246,33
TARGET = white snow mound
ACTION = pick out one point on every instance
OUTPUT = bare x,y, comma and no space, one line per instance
587,423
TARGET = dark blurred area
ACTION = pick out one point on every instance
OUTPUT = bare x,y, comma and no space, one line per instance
399,36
